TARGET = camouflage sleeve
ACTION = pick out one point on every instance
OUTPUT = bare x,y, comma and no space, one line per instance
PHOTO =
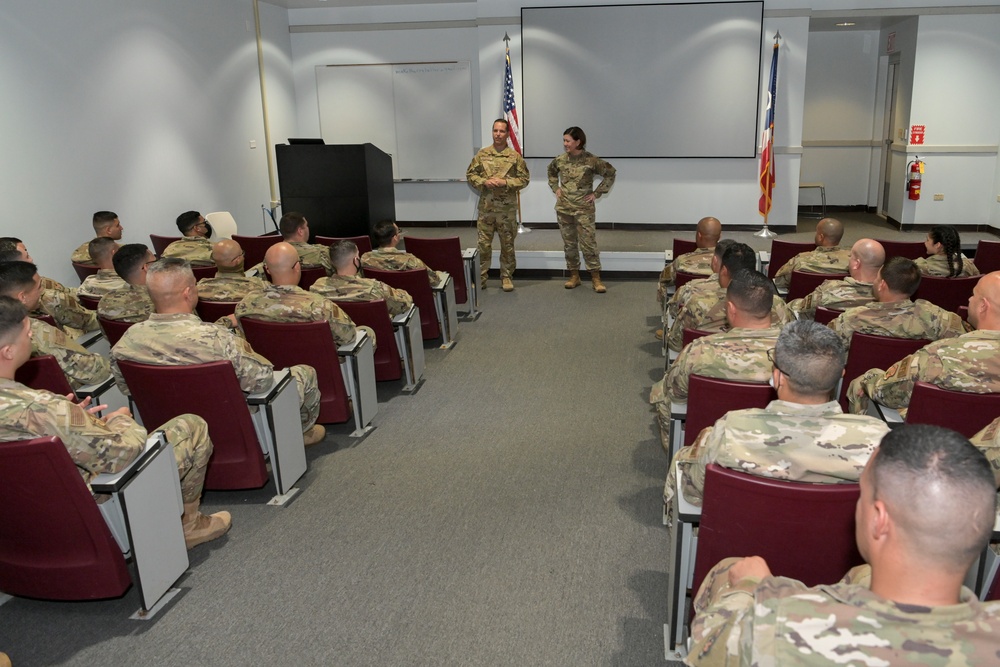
953,326
988,442
80,366
665,281
433,276
553,174
677,377
94,445
476,174
116,373
520,177
784,275
841,328
397,300
341,325
803,308
254,372
607,173
723,631
894,387
67,311
685,319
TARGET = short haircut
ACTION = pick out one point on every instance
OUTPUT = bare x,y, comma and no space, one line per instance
129,259
751,292
901,274
9,239
104,219
187,220
502,120
101,247
12,314
169,265
721,246
739,256
577,135
342,251
16,276
939,489
290,223
8,249
382,233
811,356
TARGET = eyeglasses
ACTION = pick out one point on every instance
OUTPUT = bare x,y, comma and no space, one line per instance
770,357
400,232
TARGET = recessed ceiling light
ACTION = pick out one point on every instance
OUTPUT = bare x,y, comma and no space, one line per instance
845,24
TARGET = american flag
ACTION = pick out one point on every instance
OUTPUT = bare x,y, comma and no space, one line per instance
510,108
767,140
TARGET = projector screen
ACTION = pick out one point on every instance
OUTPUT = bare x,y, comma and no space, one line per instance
659,81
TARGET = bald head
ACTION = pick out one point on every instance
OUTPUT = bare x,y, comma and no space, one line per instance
829,231
708,232
282,262
984,305
867,257
171,285
228,255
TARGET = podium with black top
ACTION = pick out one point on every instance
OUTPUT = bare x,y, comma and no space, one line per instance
342,190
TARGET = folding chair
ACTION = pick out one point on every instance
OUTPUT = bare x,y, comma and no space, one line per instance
254,247
375,314
210,311
987,258
826,315
806,282
364,243
88,302
960,411
445,254
113,329
948,293
437,315
907,249
160,243
683,246
782,251
869,351
311,275
83,271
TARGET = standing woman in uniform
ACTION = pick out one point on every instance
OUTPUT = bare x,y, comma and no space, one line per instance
571,177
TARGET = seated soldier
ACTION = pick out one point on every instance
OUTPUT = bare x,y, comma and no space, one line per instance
194,245
802,436
99,444
229,283
707,309
924,516
866,258
106,225
174,336
988,442
970,362
130,303
347,285
57,301
944,255
698,261
687,291
828,257
386,257
102,252
295,231
20,280
893,314
737,354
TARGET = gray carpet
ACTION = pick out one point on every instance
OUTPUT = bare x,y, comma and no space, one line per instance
508,513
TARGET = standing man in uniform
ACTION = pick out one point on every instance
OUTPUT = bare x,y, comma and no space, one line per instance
498,172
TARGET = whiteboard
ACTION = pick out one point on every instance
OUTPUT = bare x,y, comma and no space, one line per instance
419,113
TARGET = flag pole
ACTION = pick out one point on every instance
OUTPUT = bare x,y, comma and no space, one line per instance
767,145
506,109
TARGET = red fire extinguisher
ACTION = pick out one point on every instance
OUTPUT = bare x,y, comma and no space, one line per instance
913,182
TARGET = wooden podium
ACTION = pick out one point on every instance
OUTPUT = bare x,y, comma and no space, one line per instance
343,190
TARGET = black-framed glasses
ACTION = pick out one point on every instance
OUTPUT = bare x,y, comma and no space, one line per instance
770,357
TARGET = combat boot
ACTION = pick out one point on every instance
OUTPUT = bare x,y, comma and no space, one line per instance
507,284
199,528
595,278
574,279
314,435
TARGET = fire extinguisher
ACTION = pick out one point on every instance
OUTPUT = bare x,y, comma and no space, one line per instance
913,182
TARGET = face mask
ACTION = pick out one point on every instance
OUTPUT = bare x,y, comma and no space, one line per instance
357,264
770,381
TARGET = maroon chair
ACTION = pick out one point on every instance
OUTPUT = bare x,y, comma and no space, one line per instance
364,243
688,335
43,372
84,271
987,258
212,392
948,293
160,243
210,311
204,271
907,249
88,302
54,543
681,278
960,411
113,329
683,246
48,319
418,286
444,254
313,345
254,247
869,351
311,275
806,282
803,531
711,398
375,314
782,251
826,315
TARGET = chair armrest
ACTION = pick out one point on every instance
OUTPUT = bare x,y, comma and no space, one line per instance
403,318
352,348
686,511
95,389
444,283
886,414
469,253
90,337
281,378
112,482
668,256
678,410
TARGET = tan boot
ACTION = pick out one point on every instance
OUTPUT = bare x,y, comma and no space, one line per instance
659,334
199,528
574,279
507,284
314,434
595,278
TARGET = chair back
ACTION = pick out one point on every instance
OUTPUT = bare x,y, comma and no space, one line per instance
203,271
444,254
418,286
48,319
826,315
803,531
311,275
688,335
254,247
681,278
948,293
907,249
869,351
83,271
113,329
683,246
43,372
987,258
364,243
960,411
54,543
88,302
210,311
805,282
212,392
782,251
313,345
160,243
711,398
223,225
375,314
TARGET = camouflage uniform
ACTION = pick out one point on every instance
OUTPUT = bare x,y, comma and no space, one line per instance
698,262
61,304
821,260
988,442
394,259
707,311
313,255
789,441
195,249
780,621
901,319
737,354
576,216
82,254
96,445
937,266
358,288
129,304
102,282
497,206
835,294
970,362
291,303
181,339
228,286
689,290
80,366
